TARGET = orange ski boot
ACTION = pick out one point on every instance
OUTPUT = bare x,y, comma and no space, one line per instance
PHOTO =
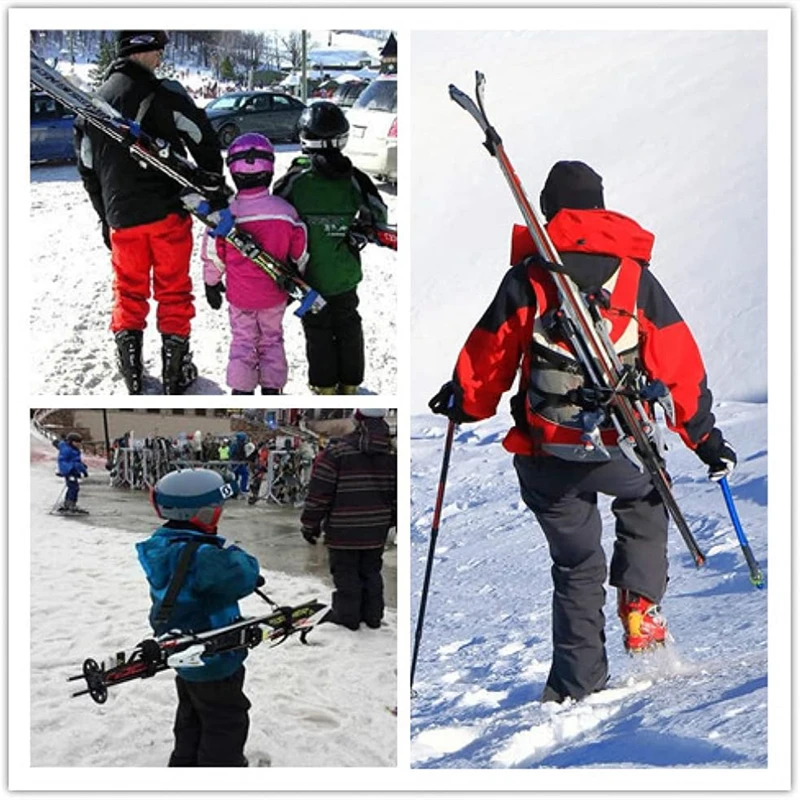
645,627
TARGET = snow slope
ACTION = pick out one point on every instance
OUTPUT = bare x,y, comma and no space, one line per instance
322,705
676,122
485,650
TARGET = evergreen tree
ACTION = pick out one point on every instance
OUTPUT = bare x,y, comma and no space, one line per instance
105,55
226,70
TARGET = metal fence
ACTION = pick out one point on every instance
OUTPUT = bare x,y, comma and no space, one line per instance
282,480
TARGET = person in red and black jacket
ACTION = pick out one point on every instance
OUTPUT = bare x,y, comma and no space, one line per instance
607,255
352,497
144,223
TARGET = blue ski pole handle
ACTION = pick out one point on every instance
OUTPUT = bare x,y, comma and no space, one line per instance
311,300
756,576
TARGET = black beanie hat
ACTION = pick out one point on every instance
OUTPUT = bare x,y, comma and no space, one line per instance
571,184
130,42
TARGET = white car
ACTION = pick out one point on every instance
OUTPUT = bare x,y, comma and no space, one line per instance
372,143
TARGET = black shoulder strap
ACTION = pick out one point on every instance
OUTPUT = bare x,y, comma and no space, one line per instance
167,604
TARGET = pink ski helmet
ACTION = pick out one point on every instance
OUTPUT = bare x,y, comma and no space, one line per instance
251,159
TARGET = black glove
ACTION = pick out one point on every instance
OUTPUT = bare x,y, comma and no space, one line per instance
717,454
310,536
447,401
106,231
260,581
214,294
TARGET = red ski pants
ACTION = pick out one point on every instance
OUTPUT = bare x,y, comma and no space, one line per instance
165,247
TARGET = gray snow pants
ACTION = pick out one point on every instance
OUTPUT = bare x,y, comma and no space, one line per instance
563,496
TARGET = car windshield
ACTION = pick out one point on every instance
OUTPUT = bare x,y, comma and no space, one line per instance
227,101
380,95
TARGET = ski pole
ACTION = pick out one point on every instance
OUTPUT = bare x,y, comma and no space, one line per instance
756,576
437,513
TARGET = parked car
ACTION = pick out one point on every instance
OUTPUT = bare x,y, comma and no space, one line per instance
346,94
272,114
51,129
372,144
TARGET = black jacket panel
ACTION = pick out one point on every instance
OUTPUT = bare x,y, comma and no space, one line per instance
122,192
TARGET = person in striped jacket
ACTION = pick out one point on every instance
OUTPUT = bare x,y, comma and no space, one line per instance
564,454
352,498
255,301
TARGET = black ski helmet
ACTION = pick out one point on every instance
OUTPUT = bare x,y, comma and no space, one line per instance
192,495
74,436
323,126
130,42
571,184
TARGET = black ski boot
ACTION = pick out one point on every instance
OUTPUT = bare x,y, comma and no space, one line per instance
268,390
178,371
239,391
129,358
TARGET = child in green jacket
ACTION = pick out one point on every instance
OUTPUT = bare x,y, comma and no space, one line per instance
330,194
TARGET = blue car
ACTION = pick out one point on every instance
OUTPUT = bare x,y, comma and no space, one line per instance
51,129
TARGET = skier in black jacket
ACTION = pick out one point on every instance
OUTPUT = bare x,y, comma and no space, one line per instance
143,221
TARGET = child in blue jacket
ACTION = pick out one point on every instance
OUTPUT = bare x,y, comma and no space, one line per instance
71,468
195,583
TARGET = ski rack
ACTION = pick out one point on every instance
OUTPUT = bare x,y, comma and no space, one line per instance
175,649
148,151
586,332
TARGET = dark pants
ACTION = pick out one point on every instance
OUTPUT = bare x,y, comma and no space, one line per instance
211,723
73,486
359,586
335,342
563,496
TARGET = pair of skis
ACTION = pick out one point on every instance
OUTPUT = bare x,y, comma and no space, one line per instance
173,650
158,154
583,325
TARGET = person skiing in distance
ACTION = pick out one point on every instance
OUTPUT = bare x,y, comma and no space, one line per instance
255,301
72,469
352,498
330,195
560,473
195,584
144,223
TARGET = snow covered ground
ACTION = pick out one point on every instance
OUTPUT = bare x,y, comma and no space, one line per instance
72,349
676,123
486,647
323,705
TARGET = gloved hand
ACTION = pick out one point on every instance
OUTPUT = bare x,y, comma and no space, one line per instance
214,294
260,581
310,536
214,212
106,232
717,454
447,401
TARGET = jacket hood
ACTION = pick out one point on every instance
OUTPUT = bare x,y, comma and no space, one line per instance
594,231
370,436
156,555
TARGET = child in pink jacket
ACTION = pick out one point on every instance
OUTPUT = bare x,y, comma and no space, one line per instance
255,302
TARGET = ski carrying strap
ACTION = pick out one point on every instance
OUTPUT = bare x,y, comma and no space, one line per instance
176,584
